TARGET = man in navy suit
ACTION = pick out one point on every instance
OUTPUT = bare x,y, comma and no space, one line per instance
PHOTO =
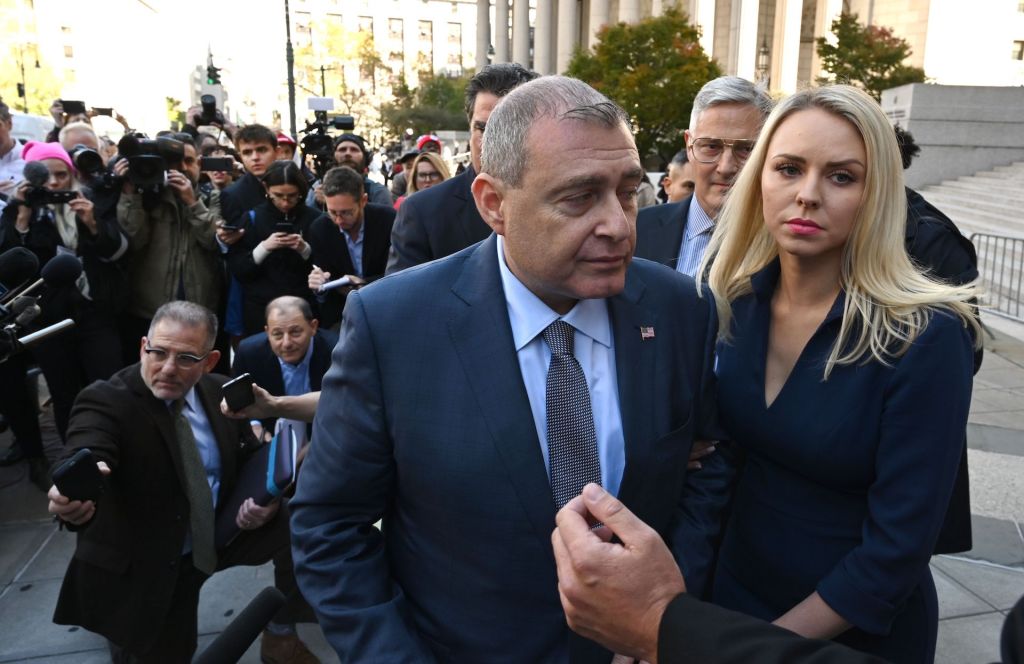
727,116
472,397
443,219
291,356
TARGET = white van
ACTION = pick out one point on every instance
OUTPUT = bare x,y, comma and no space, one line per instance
30,127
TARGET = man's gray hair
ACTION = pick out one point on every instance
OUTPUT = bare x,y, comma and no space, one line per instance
557,97
74,127
730,90
187,314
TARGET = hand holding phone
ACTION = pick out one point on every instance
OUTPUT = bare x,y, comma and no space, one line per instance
79,477
238,392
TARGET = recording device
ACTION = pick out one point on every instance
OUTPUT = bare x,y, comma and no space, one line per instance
317,142
98,110
150,159
73,107
17,267
60,271
232,643
78,478
209,115
36,174
217,164
285,227
238,392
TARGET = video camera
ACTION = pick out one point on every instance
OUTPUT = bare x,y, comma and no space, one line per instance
36,175
210,114
150,159
317,142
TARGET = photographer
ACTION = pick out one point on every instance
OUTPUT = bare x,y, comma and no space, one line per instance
173,253
350,150
272,258
90,350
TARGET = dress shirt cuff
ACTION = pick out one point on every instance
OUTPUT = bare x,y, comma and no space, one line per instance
865,611
259,254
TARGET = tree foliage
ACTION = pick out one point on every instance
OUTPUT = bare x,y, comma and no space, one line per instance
868,56
436,105
653,69
17,50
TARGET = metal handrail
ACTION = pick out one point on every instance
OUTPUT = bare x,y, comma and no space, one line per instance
1001,270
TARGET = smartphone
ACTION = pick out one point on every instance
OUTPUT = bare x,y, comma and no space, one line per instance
57,197
72,107
103,111
78,478
284,227
238,392
217,164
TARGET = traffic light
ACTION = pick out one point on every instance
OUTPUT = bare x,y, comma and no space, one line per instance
212,75
21,90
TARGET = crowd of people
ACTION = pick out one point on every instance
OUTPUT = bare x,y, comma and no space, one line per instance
726,428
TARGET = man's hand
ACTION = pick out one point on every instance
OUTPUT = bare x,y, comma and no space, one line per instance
75,512
700,449
121,170
612,593
182,186
83,208
259,409
57,113
317,278
228,236
318,194
251,516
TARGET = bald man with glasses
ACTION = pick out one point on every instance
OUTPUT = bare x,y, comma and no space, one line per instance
171,461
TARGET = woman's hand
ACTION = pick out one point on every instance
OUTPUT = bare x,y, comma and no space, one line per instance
278,241
84,210
24,211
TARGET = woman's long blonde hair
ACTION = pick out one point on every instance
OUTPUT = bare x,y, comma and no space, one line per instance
887,297
433,158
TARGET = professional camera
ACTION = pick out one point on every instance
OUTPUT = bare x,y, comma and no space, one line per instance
149,159
36,174
210,114
316,141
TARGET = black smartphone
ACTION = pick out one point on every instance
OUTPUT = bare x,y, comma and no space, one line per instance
57,197
72,107
238,392
98,110
217,164
284,227
78,478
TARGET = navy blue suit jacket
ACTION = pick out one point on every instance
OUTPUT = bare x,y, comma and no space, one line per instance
436,222
659,231
425,423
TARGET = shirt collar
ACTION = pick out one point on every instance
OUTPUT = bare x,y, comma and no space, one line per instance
359,234
191,400
697,221
14,153
529,316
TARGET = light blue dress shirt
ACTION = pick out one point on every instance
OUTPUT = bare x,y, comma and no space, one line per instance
696,237
594,349
355,248
296,376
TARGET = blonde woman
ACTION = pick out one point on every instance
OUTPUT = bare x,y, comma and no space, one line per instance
844,375
427,170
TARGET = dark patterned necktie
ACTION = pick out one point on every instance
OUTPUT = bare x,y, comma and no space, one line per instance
572,440
197,489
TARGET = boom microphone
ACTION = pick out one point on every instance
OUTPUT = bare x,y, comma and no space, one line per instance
17,266
243,630
36,173
60,271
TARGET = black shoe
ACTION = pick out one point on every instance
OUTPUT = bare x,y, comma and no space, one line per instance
39,473
12,456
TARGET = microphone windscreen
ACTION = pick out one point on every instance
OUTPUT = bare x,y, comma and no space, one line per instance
17,266
243,630
36,173
61,270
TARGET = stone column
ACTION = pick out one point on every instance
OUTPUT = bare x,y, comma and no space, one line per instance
501,30
629,11
567,18
702,13
483,32
598,17
521,32
542,55
825,12
744,41
786,55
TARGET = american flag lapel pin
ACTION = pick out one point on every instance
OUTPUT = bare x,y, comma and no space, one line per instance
646,332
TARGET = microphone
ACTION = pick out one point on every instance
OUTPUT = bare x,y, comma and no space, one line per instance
25,310
17,266
49,331
243,630
61,270
36,173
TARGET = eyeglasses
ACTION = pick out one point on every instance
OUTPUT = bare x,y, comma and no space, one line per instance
428,176
181,360
709,150
284,198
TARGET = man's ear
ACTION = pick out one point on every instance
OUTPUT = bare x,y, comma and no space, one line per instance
488,192
211,361
686,139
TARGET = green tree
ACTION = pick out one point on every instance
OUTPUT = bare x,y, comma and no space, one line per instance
868,56
437,104
175,114
653,69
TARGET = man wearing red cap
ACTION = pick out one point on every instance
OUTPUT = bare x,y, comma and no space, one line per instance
285,147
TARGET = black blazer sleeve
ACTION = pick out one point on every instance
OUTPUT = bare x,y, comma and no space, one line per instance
693,631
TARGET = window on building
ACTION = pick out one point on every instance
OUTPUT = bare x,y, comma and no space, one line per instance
303,29
1020,6
68,51
366,25
395,29
454,45
1018,50
334,19
426,29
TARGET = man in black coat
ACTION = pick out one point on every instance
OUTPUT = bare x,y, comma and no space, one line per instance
443,219
351,240
257,145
